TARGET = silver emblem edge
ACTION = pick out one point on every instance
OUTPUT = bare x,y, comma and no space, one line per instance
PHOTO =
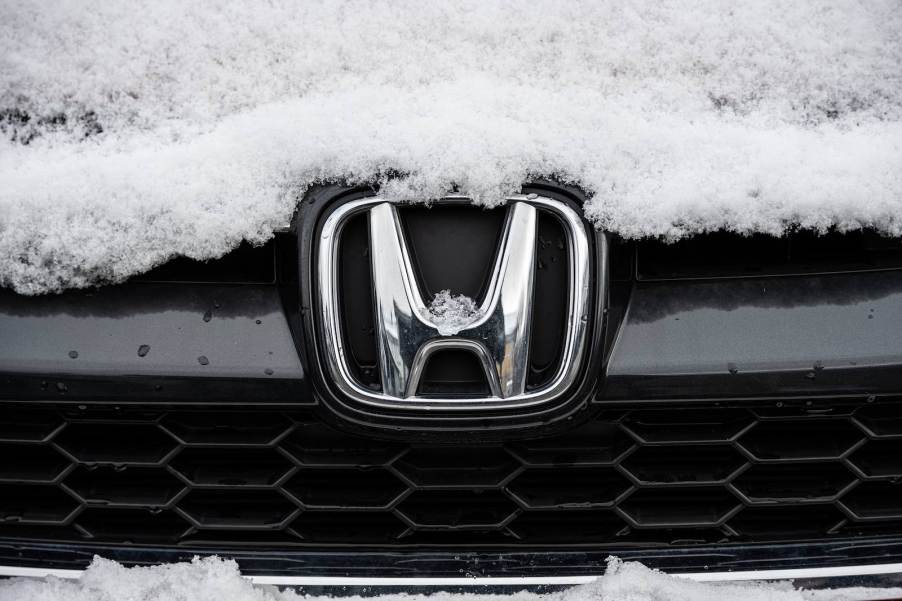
499,333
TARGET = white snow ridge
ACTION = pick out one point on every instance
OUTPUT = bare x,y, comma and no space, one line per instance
212,579
132,132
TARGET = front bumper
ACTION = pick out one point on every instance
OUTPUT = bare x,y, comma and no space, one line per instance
790,370
847,568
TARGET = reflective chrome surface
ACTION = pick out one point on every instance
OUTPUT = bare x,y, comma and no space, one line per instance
499,333
498,336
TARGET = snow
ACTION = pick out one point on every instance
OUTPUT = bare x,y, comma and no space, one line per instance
452,313
213,579
181,128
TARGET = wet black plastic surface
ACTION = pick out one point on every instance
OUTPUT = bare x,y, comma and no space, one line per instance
150,330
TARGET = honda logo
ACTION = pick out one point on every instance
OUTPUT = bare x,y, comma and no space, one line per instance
497,333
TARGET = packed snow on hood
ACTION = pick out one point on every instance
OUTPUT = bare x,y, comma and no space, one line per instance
132,132
212,579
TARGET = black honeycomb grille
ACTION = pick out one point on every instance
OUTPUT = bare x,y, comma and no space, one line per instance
779,471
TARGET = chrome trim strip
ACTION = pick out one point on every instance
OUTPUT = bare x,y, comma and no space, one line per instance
329,322
338,581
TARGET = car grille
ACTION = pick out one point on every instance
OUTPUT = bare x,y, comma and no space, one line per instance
791,469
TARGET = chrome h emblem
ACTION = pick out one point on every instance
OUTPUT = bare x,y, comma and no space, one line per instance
407,333
499,335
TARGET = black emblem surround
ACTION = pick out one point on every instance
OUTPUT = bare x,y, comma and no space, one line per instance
574,399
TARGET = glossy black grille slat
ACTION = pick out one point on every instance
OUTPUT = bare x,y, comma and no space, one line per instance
879,458
872,500
573,487
595,443
679,506
237,508
780,483
116,443
744,473
314,443
31,463
231,467
569,526
231,428
881,420
35,504
345,488
453,509
106,485
782,521
456,466
132,525
802,439
684,463
349,527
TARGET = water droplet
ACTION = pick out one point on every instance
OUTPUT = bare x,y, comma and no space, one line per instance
208,315
62,388
268,371
143,350
870,317
82,407
811,375
871,398
203,360
73,354
43,384
258,322
732,368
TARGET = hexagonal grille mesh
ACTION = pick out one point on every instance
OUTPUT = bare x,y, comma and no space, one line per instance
788,470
